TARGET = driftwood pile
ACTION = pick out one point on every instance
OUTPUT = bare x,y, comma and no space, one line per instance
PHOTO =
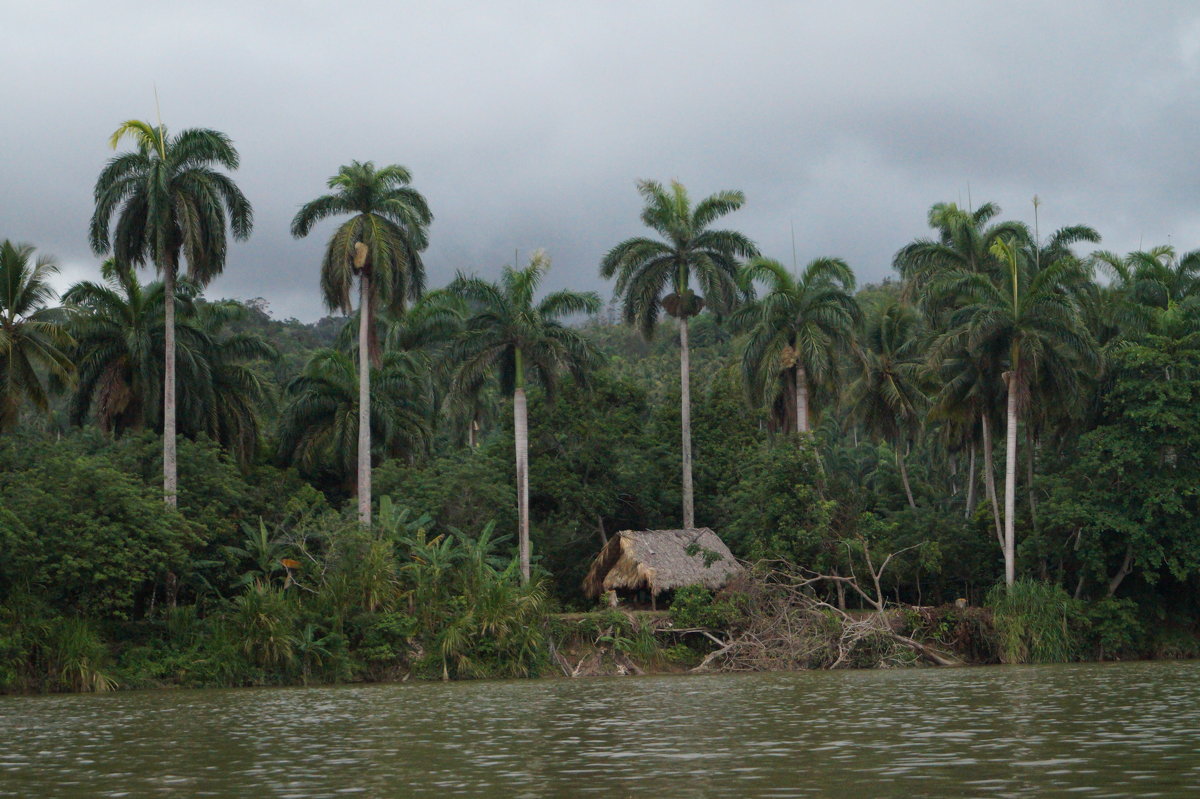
787,625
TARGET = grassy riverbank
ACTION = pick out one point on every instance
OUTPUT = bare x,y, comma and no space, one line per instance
265,639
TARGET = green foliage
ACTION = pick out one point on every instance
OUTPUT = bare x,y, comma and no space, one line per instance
694,606
1036,622
33,340
100,553
260,576
40,650
1116,628
776,511
318,426
262,618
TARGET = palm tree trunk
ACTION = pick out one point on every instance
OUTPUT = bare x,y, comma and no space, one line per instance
904,477
170,459
989,478
521,436
373,339
1010,486
1029,456
364,399
801,399
685,390
971,482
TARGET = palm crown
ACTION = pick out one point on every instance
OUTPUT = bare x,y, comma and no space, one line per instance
799,323
389,217
509,333
32,338
653,275
168,197
118,329
1154,291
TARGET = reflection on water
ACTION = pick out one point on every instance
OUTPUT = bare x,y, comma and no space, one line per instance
1089,730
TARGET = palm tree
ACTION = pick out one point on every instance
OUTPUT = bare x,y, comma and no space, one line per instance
118,329
1031,314
319,422
381,245
888,397
1155,291
508,334
227,409
119,333
656,275
32,338
796,328
169,201
964,243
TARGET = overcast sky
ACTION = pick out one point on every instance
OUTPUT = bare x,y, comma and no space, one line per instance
526,125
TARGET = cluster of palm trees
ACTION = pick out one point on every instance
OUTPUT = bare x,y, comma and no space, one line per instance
991,323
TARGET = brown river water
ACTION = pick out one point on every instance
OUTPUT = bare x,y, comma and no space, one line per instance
1123,729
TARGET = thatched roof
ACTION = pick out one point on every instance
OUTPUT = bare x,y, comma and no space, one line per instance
660,560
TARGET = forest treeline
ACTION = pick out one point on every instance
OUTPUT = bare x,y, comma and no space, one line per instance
412,484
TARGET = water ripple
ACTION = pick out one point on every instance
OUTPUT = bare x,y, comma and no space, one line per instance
1092,730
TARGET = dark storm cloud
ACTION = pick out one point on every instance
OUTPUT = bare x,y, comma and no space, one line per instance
527,124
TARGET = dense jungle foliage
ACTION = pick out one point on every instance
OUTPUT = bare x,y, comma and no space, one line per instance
1014,420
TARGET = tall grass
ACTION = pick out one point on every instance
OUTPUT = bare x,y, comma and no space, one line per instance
1036,622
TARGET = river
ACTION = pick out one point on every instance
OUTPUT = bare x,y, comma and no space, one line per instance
1123,729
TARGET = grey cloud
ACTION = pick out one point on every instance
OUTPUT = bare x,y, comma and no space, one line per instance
526,125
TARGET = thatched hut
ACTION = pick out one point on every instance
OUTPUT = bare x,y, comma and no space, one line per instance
655,561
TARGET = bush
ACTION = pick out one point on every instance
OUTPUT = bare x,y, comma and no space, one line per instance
1036,622
44,652
1116,631
263,619
694,606
96,555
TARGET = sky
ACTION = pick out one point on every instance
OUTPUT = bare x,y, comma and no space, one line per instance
527,125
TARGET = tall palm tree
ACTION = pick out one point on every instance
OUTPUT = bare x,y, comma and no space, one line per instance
888,397
656,275
33,340
380,245
1031,314
166,200
511,335
796,328
319,422
962,244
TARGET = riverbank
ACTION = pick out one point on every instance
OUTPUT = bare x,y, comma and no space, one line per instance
736,631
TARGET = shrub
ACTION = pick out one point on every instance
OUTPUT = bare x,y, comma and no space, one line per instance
694,606
97,554
1115,629
1036,622
264,620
